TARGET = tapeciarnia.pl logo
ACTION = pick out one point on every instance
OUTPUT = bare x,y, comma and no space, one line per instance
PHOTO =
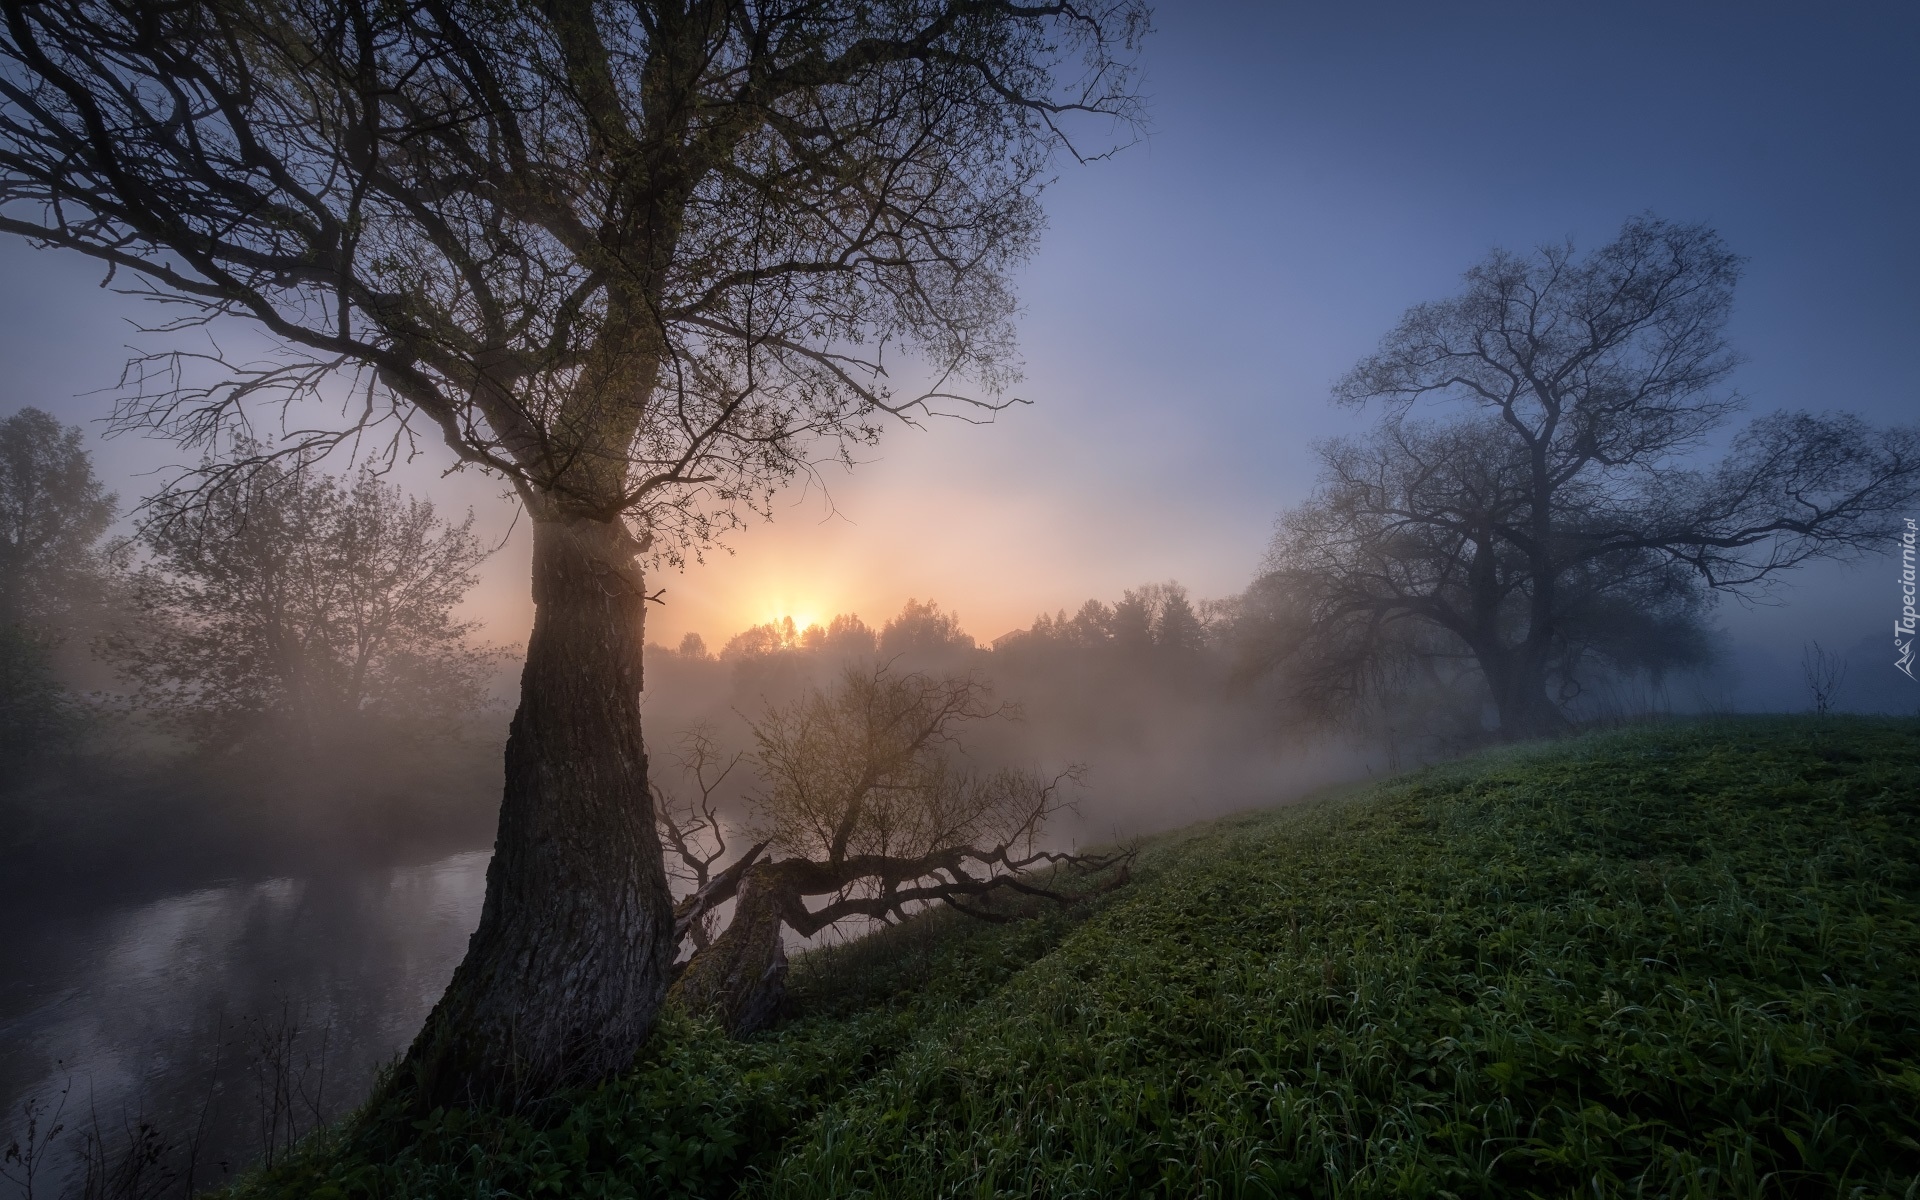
1903,628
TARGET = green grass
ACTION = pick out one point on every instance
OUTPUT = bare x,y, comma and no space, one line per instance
1671,961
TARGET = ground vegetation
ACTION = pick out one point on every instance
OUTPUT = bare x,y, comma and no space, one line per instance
1659,960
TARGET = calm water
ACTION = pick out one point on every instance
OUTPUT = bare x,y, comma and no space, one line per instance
247,1011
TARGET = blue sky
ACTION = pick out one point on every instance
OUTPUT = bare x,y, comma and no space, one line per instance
1311,172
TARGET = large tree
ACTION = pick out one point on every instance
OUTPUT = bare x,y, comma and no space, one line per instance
636,257
1534,501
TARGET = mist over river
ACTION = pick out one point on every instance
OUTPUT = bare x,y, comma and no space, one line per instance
233,1017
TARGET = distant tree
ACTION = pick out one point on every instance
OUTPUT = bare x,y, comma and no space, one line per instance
1824,672
846,636
1557,524
1091,626
692,645
298,607
762,640
1161,615
39,718
1154,615
866,800
1177,627
1131,623
1404,682
53,512
642,261
921,629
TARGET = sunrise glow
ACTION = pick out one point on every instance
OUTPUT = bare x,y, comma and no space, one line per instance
801,619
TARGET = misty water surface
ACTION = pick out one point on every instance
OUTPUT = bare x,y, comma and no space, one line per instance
248,1009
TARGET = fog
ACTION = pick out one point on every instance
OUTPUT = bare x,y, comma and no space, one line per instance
211,953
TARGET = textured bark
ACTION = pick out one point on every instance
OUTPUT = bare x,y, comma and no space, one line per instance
566,973
1519,684
742,977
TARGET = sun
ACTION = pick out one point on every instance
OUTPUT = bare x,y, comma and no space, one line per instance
801,616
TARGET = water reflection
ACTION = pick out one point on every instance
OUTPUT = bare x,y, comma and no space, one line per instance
247,1012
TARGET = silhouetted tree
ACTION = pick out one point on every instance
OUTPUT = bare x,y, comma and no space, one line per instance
298,608
846,636
923,631
1824,672
1177,628
634,258
1152,616
1557,523
694,831
1091,626
865,799
1131,622
762,640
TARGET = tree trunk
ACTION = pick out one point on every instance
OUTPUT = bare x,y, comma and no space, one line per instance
1520,697
566,973
742,977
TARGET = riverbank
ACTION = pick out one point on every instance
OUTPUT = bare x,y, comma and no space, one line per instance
1667,960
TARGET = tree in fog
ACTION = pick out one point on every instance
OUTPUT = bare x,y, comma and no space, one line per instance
867,800
845,636
1089,627
1177,627
296,607
38,716
637,259
922,630
761,640
53,513
1531,508
1130,623
1155,620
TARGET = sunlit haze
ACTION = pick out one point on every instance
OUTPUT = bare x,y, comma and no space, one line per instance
1311,172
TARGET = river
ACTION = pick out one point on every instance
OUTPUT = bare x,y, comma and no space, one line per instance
210,1028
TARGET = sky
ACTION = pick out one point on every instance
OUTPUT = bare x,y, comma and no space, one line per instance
1310,172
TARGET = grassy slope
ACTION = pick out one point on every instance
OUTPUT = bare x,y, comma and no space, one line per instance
1670,961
